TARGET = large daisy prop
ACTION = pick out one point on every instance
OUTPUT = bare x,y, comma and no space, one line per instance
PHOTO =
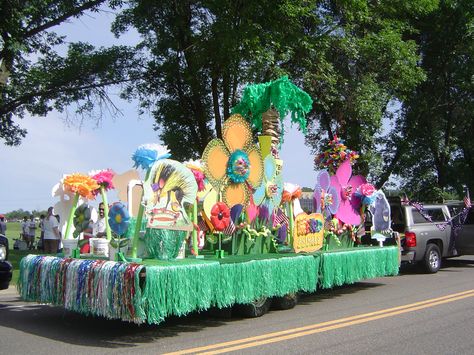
82,186
234,164
270,190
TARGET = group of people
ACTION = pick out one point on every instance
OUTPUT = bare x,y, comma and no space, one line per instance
50,237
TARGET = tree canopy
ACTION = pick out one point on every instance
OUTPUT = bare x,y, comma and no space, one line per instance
391,78
36,79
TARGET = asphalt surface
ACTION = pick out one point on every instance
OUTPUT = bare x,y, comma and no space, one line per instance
413,313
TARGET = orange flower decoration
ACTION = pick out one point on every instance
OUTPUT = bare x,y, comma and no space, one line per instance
81,184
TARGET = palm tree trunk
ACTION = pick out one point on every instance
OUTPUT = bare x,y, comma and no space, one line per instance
271,126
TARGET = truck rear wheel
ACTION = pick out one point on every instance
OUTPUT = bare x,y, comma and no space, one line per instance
286,302
255,309
432,261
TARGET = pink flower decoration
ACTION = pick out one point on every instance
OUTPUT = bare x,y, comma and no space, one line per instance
199,176
346,186
104,179
367,189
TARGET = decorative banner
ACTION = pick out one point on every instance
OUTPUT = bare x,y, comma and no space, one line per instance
169,187
308,232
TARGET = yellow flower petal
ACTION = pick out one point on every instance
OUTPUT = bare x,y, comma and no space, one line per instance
215,158
236,133
235,194
256,167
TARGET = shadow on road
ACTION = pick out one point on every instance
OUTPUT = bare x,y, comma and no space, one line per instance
447,265
61,325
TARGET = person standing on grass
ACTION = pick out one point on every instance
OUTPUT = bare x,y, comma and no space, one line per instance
31,232
3,225
51,233
25,230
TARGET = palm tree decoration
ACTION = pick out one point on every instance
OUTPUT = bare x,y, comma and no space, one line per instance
266,105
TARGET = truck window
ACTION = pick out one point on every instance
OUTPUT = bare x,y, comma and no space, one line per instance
436,214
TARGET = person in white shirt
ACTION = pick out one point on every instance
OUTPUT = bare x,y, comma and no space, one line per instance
98,229
51,233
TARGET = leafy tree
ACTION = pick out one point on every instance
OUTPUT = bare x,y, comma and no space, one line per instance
35,79
200,53
437,121
365,62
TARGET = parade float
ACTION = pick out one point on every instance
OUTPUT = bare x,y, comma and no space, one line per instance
220,231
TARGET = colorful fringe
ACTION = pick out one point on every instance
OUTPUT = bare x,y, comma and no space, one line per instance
180,289
91,287
246,282
347,267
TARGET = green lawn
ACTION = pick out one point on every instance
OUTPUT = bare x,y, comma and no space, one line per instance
15,256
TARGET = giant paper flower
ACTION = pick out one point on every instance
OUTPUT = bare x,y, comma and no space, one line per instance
220,216
82,217
325,198
81,184
119,218
147,154
234,165
103,178
346,186
270,190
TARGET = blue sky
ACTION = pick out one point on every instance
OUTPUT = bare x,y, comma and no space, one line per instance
53,148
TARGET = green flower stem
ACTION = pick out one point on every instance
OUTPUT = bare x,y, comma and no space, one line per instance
292,222
106,213
71,215
195,221
138,225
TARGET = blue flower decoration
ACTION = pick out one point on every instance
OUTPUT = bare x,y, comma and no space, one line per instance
238,167
119,218
146,155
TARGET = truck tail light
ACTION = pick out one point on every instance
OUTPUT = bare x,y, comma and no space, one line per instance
410,239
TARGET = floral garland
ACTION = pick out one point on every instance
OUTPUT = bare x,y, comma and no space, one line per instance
335,155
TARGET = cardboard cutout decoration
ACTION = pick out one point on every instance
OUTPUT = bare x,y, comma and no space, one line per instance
308,234
381,223
234,165
169,187
270,190
325,199
64,205
121,183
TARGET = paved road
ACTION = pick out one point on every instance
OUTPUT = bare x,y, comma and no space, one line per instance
412,313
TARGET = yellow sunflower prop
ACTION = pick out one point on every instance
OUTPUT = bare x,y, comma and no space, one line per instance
234,164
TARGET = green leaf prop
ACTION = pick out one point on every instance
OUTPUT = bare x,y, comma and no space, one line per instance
82,216
281,94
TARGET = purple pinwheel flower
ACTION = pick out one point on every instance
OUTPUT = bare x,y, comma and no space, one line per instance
346,185
325,199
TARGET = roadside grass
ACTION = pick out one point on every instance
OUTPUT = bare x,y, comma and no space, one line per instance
15,256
